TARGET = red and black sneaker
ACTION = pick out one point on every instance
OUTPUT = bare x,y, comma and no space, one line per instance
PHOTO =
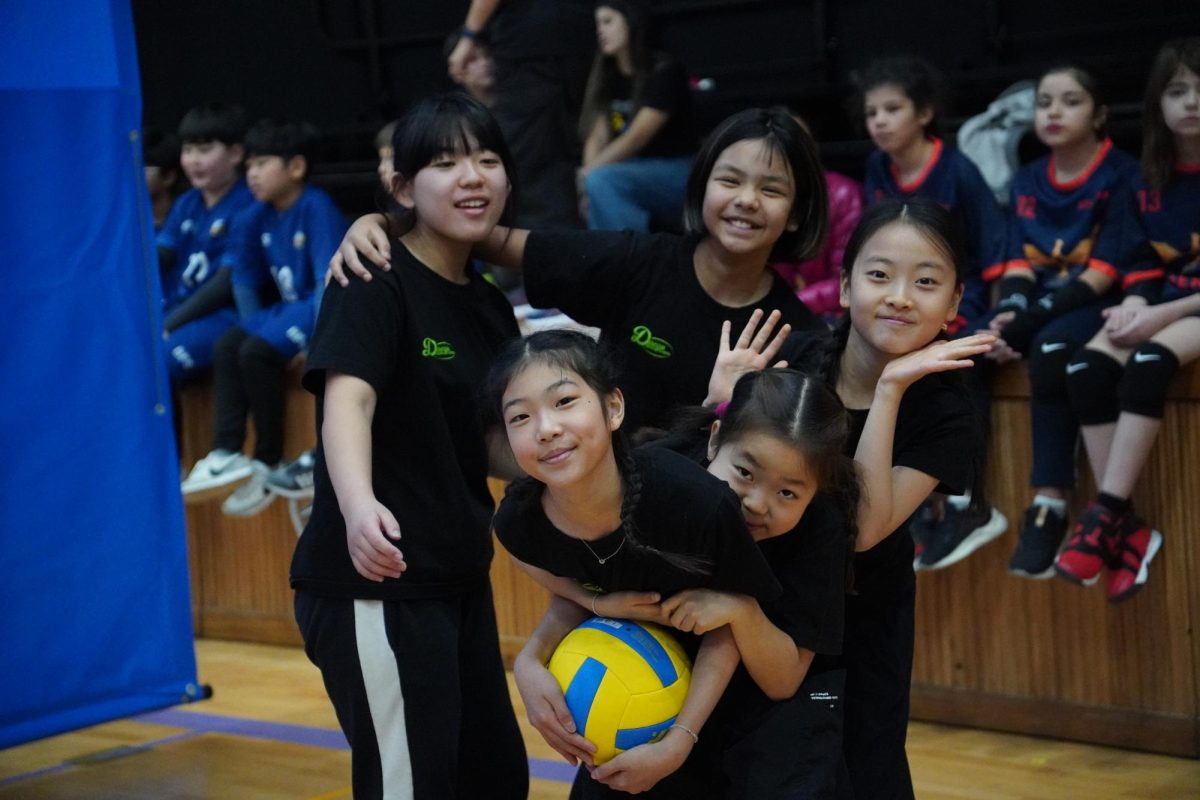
1136,548
1094,542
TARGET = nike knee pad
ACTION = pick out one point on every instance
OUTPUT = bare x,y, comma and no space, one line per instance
1048,368
1092,379
1148,372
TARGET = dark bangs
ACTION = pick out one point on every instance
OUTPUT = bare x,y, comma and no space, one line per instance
449,123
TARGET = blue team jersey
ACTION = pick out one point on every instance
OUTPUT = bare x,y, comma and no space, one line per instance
1061,229
198,235
292,248
953,181
1171,221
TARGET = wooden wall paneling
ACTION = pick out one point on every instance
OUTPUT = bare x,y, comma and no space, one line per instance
240,565
1048,657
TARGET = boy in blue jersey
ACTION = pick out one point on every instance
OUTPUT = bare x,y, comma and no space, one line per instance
279,250
197,303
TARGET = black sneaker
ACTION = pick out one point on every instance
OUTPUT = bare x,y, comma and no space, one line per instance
294,480
1042,533
960,533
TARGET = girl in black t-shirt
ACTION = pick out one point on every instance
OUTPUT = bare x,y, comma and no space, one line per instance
406,641
592,514
756,194
913,430
635,126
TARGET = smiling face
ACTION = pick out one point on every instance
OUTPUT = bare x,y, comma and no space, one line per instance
559,428
901,290
612,31
770,476
1181,104
1066,113
748,198
893,121
457,196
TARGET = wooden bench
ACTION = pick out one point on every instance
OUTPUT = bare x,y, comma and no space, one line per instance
992,650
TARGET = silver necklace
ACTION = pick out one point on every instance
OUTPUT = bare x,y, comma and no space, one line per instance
607,557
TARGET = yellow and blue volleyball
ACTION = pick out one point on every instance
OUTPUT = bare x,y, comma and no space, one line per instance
624,682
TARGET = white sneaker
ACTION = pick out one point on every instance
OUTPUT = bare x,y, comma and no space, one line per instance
252,496
294,480
218,468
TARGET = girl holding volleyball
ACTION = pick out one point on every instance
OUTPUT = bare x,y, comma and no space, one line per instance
778,443
406,640
594,513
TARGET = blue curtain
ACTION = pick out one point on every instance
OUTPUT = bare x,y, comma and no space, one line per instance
95,618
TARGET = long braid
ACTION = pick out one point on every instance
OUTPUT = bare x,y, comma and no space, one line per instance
631,479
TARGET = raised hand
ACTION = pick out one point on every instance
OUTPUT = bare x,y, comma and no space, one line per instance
939,356
753,351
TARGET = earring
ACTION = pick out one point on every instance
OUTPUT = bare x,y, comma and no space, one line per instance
945,326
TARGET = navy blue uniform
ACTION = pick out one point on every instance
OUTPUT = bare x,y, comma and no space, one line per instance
198,236
954,182
1171,220
1059,230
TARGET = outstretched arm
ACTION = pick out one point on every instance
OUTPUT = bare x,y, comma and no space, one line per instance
371,528
368,238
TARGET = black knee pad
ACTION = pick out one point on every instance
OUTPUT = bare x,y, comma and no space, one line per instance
1148,372
1092,379
1048,367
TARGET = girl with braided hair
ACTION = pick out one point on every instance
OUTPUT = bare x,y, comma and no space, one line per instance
611,531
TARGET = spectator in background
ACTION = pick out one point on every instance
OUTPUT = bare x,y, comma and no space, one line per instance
160,163
540,49
478,77
636,126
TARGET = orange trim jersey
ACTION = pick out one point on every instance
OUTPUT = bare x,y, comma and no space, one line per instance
1060,229
953,180
1171,220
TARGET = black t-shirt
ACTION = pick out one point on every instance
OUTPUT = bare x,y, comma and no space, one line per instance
810,563
424,344
666,89
681,510
533,28
936,433
641,290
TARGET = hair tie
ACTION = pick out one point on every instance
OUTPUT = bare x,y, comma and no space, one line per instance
720,408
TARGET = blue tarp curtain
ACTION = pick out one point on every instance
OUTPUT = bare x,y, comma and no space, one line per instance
95,619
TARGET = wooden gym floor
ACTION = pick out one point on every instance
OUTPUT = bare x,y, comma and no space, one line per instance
269,732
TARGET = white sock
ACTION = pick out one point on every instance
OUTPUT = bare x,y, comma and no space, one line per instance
1058,506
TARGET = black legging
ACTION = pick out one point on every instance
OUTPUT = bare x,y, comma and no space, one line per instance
248,376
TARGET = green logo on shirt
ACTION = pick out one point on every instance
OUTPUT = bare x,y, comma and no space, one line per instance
432,348
659,348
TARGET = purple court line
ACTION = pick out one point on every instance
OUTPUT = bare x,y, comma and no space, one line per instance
253,728
107,755
197,723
